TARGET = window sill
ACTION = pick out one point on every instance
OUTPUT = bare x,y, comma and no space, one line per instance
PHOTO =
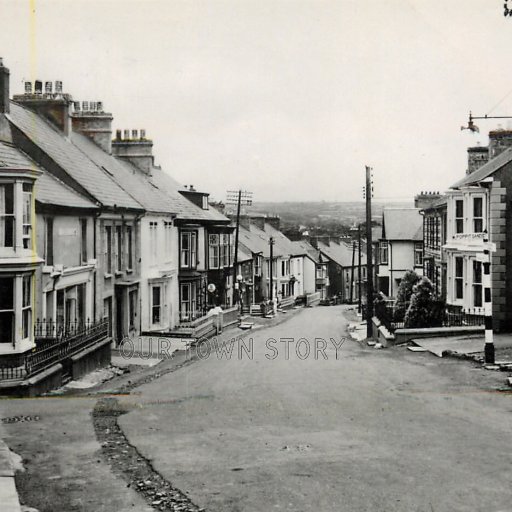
118,273
129,271
107,276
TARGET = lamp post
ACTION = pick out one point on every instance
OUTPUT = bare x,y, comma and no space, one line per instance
271,242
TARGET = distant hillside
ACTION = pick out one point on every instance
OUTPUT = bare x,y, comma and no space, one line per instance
307,213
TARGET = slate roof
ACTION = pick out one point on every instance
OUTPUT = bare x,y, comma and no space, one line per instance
402,224
70,158
486,170
185,209
127,177
254,240
48,189
341,253
303,247
283,245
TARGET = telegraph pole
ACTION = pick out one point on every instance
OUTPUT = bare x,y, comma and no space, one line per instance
237,197
359,269
369,251
271,243
236,291
352,272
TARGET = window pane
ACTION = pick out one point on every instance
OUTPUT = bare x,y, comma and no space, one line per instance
459,267
156,295
459,208
6,293
477,207
6,327
27,281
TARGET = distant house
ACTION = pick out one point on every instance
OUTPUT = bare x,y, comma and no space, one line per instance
434,237
343,269
400,248
315,276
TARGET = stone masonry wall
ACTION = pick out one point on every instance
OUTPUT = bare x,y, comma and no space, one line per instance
499,266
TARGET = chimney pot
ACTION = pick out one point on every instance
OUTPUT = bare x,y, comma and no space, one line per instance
48,87
85,105
127,134
135,134
28,87
38,87
142,133
76,106
118,134
58,86
99,106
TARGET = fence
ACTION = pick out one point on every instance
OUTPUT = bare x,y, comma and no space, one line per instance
230,316
393,316
55,343
313,298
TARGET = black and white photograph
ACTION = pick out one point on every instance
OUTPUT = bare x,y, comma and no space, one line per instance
255,255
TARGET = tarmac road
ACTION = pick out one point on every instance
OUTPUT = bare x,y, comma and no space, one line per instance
371,430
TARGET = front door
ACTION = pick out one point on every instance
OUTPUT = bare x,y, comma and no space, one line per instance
119,334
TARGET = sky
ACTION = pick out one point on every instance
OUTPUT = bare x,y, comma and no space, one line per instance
289,99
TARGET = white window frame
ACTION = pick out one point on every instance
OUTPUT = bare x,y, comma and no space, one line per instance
418,254
458,220
457,278
383,249
188,256
482,217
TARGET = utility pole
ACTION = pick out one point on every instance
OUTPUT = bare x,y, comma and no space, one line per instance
236,291
359,269
237,197
352,272
369,251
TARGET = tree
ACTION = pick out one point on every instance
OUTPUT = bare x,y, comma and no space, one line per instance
404,293
425,309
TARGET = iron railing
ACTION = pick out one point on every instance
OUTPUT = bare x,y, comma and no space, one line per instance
56,342
392,317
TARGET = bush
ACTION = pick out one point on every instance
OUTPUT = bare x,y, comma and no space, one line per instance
404,294
425,309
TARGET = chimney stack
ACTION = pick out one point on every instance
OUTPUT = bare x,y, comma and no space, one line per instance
4,88
499,141
137,151
477,156
54,106
95,124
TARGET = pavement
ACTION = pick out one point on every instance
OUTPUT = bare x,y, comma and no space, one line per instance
472,344
8,494
369,430
359,430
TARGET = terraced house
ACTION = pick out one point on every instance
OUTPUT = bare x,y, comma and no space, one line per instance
477,210
98,242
